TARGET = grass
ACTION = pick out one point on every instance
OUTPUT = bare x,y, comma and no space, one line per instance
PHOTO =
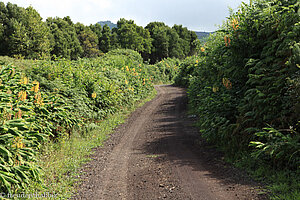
62,160
281,184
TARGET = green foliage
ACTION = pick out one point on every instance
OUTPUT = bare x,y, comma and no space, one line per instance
246,78
65,95
65,41
281,149
23,32
28,117
133,37
88,40
175,42
104,42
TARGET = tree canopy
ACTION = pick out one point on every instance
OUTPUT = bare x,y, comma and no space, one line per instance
23,33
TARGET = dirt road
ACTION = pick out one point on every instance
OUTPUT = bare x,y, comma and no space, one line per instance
157,154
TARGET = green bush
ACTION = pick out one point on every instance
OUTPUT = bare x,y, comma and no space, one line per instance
60,96
28,118
247,78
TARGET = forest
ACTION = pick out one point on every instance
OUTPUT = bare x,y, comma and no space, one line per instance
61,79
24,34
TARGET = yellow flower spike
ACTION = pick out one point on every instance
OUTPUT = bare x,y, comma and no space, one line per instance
235,24
127,68
24,80
18,115
126,82
94,95
39,99
36,87
18,143
22,95
227,40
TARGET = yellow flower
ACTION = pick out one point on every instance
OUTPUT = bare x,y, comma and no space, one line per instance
39,99
133,69
235,24
127,68
22,95
197,61
36,86
202,49
24,80
18,143
215,89
227,83
227,40
18,115
126,82
94,95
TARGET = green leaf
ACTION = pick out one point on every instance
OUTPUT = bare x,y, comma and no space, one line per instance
4,151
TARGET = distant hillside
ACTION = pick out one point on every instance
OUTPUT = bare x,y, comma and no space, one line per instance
109,23
202,35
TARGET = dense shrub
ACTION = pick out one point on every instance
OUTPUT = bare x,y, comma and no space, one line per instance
45,100
247,78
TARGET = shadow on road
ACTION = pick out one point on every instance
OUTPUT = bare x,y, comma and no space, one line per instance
177,141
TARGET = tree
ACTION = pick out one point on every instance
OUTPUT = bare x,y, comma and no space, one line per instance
18,42
38,34
97,29
65,41
23,32
160,40
153,25
3,24
88,40
185,38
133,37
114,40
194,43
160,44
9,15
174,44
104,43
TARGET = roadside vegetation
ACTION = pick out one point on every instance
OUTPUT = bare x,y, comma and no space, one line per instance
64,87
244,88
53,112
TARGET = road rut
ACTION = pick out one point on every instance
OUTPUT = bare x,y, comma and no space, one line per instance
157,154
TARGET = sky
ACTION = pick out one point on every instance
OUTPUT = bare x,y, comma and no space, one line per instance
196,15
